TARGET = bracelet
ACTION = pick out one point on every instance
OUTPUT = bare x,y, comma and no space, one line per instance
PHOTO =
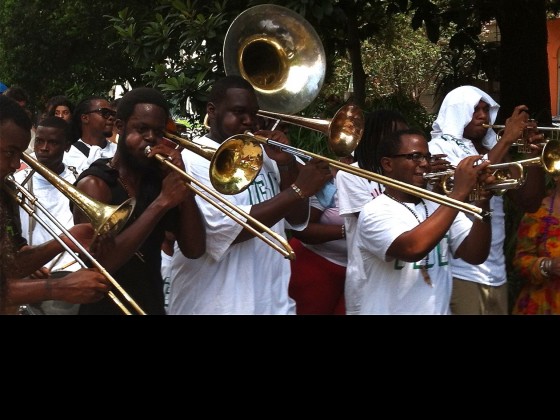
545,266
298,191
343,228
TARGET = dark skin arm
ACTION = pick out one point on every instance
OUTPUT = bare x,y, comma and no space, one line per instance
173,192
189,229
82,286
414,244
529,196
316,232
310,178
32,258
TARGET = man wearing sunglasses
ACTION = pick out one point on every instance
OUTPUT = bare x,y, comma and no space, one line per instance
92,122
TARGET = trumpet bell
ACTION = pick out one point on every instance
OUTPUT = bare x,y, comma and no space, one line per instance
235,164
279,53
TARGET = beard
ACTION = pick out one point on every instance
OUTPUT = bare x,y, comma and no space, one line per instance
149,171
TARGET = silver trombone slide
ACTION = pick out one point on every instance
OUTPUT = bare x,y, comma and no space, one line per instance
12,187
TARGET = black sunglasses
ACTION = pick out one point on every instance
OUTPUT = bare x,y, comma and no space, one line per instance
104,112
417,157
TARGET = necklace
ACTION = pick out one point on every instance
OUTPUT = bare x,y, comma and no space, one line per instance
425,265
121,181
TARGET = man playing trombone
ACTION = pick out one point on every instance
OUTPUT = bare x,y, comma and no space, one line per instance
164,202
53,137
17,259
239,273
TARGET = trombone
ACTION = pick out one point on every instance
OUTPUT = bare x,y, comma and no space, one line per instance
284,248
104,218
372,176
344,130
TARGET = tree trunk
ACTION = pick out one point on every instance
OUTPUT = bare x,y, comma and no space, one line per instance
355,51
523,59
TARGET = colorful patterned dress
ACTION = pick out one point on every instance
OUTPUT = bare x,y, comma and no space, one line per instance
538,237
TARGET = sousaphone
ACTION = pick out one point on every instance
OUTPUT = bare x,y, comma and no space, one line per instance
279,53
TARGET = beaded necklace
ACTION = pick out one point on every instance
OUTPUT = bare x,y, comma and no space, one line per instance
423,267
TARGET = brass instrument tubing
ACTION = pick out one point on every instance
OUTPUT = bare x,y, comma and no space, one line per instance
286,250
399,185
29,209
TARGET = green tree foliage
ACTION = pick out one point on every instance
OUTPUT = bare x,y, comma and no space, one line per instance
179,45
62,47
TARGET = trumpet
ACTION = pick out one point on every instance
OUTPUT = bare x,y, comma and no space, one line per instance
103,217
251,224
522,144
504,180
549,160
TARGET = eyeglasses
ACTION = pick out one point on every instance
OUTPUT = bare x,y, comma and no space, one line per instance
417,157
104,112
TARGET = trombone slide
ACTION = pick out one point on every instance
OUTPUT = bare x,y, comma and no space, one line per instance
13,187
399,185
286,250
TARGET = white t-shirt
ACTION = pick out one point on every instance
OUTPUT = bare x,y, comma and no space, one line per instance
74,157
492,272
166,276
354,193
244,278
397,287
56,204
334,251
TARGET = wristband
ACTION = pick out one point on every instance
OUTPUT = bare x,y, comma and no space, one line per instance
298,191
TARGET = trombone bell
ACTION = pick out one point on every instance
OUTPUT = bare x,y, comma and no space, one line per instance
235,165
103,217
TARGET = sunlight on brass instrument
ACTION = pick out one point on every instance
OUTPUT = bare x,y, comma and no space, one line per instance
234,212
103,217
549,160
